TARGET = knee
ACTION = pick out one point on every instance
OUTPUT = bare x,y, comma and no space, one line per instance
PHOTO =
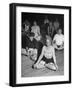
51,66
54,68
38,66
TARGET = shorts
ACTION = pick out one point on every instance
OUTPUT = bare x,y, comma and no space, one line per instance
47,60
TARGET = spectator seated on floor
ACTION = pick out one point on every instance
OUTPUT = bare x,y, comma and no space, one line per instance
25,33
36,30
31,47
47,57
58,41
32,53
26,28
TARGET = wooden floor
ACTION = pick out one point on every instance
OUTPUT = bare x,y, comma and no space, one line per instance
27,71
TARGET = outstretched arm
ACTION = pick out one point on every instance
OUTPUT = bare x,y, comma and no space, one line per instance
38,30
41,56
54,58
54,42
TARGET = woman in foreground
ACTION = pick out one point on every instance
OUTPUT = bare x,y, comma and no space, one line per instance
47,57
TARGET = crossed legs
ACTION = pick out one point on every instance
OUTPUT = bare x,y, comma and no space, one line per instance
42,64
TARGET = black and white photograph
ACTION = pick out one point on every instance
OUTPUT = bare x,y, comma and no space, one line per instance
40,40
42,52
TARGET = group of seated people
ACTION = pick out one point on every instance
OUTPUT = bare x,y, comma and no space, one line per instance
40,43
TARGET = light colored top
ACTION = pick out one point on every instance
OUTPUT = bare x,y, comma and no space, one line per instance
35,30
59,38
48,51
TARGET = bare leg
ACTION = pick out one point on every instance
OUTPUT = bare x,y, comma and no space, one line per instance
51,66
33,55
40,65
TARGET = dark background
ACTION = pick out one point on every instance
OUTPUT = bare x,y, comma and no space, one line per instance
39,17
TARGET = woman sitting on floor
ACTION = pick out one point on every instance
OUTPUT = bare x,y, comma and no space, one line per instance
31,47
36,30
47,57
58,41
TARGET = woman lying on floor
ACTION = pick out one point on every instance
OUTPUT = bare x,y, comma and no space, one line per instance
47,57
